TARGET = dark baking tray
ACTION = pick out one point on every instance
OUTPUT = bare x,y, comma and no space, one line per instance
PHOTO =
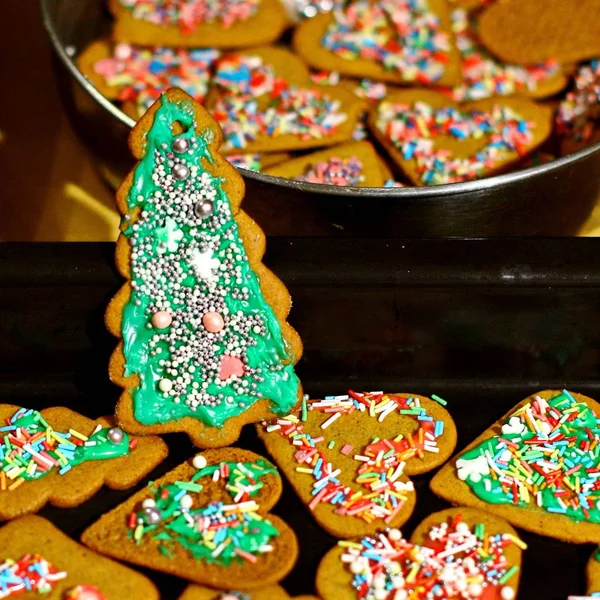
481,322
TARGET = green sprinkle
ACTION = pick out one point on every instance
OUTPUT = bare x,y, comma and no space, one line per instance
331,444
189,487
304,415
163,550
438,399
508,574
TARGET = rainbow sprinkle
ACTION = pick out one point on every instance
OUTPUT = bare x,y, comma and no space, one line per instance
31,573
290,110
412,130
546,455
188,14
455,561
383,488
142,74
403,36
579,112
483,75
335,171
251,162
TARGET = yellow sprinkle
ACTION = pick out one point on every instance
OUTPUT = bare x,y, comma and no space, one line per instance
304,470
516,541
78,435
413,573
15,484
347,544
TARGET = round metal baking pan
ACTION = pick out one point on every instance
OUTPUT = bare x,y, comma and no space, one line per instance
551,199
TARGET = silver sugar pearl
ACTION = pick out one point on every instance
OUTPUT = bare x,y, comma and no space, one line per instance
152,515
181,145
180,172
204,209
115,435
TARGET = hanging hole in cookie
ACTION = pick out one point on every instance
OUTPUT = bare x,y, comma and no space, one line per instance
177,128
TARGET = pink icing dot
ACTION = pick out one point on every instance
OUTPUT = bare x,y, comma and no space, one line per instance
122,51
161,319
230,365
213,322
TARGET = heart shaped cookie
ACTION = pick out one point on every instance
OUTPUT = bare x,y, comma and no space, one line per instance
176,524
537,467
49,564
564,30
274,592
435,141
353,164
401,41
62,457
265,101
198,23
452,554
349,457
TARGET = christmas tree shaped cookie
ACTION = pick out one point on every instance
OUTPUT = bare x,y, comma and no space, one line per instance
62,457
205,521
538,467
205,345
349,457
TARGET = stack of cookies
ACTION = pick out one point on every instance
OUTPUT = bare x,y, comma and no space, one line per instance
435,91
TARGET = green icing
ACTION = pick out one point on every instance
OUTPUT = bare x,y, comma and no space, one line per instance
217,532
187,265
547,454
22,447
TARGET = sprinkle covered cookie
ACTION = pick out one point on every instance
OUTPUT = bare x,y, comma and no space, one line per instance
435,141
37,560
198,23
274,592
64,458
205,521
458,553
265,101
401,41
525,33
354,164
136,76
537,467
350,457
205,343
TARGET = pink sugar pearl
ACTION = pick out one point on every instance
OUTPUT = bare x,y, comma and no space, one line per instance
161,319
122,51
213,322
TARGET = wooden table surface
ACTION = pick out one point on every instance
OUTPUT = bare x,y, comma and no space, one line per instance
52,191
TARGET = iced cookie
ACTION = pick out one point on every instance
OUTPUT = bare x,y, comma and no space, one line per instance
198,23
64,458
36,556
526,33
349,458
265,101
206,521
353,164
136,76
205,343
435,141
458,553
484,76
274,592
592,574
401,41
536,467
578,115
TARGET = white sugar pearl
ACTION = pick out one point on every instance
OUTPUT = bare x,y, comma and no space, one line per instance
462,528
394,534
507,593
380,594
148,503
401,595
186,501
357,566
379,581
165,385
199,462
475,590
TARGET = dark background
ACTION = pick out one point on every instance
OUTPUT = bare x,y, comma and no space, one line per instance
482,323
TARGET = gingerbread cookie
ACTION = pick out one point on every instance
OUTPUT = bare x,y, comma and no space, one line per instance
536,467
455,553
64,458
176,525
274,592
198,23
265,102
435,141
205,343
353,164
38,560
525,33
349,458
578,115
401,41
484,76
136,76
